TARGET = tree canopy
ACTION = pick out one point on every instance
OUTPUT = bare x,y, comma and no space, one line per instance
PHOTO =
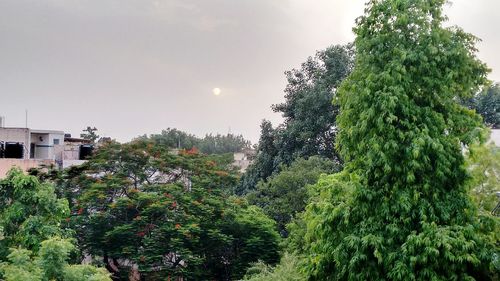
400,209
148,212
209,144
285,194
35,240
487,104
309,116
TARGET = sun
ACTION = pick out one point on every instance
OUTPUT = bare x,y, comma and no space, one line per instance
216,91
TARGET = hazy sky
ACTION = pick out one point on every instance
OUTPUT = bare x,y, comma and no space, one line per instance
131,67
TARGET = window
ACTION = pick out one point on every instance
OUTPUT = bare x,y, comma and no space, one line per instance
56,141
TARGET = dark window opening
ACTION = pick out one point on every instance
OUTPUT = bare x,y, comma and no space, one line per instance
85,151
14,150
32,150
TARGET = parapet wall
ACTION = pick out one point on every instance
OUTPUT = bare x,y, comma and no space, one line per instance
24,164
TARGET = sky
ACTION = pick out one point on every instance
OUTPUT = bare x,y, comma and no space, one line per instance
134,67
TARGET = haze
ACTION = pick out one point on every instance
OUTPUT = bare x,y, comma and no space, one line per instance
131,67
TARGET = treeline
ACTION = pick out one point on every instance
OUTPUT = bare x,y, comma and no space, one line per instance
209,144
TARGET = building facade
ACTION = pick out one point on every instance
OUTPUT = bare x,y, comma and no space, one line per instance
28,148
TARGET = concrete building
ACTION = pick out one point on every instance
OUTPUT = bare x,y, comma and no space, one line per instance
243,159
495,137
28,148
75,151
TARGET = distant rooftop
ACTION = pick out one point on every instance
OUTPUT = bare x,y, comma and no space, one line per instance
35,131
46,132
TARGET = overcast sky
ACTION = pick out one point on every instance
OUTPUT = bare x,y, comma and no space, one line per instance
131,67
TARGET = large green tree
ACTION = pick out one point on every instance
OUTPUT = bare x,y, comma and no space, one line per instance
148,213
309,116
400,210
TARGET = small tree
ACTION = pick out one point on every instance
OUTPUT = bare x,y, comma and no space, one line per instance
90,134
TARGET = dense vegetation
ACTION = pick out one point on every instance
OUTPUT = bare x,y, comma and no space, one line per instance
35,240
487,104
309,116
209,144
400,209
391,181
284,195
147,212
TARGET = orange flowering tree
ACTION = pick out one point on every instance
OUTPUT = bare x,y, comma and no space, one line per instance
148,212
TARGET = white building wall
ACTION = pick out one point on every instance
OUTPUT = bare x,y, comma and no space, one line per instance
495,137
45,147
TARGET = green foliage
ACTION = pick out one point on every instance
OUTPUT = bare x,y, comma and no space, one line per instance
264,164
308,112
90,134
400,210
30,212
85,273
219,144
483,162
21,267
286,270
487,104
170,215
210,144
284,194
30,219
309,116
50,264
53,256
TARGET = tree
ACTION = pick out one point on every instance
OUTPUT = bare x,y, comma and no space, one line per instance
309,116
31,247
287,270
210,144
487,104
51,263
264,164
90,134
219,144
284,194
148,213
30,213
483,162
400,209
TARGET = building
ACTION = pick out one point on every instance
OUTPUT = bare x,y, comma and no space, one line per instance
495,137
76,150
28,148
243,159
